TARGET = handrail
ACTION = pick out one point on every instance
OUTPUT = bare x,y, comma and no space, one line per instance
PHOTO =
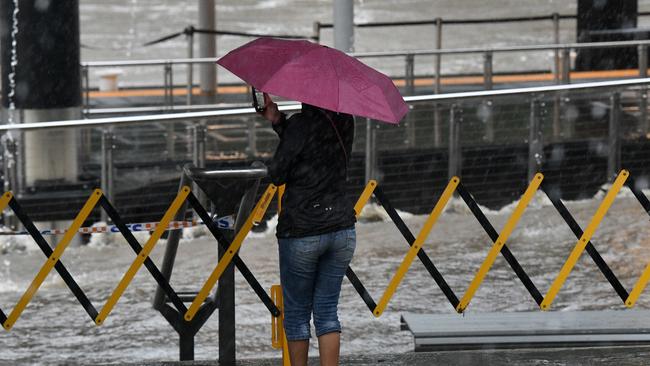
154,62
176,117
447,51
131,120
529,90
542,47
434,21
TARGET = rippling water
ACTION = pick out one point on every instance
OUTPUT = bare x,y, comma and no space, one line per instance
457,245
135,22
55,329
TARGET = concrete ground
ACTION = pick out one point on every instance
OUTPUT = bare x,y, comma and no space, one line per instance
615,355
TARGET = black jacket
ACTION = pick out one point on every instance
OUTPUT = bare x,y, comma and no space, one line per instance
312,163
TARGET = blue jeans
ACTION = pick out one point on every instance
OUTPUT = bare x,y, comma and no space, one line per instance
311,272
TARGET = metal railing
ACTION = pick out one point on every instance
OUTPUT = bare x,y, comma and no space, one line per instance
439,22
432,118
560,69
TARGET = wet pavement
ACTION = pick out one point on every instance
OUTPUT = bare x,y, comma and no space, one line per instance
621,355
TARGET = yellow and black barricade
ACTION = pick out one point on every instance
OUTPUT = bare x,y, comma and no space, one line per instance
188,320
499,244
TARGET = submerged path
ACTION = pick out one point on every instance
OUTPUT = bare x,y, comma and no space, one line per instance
629,355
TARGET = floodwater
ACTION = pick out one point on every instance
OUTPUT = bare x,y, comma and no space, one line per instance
55,329
117,31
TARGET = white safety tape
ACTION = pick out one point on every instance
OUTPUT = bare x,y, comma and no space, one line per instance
226,222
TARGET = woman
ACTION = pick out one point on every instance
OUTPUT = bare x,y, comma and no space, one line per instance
315,229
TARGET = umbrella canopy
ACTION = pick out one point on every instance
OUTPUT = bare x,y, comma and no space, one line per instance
316,75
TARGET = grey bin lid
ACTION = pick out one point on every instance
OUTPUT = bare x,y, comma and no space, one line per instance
225,187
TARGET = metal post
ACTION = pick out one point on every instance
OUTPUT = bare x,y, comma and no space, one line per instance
251,149
344,25
409,74
557,128
370,150
438,62
207,48
643,91
171,87
9,167
535,144
487,84
568,125
190,66
410,90
566,66
316,35
487,70
198,157
557,108
170,137
557,102
454,143
556,52
169,103
186,344
11,163
184,329
21,161
198,151
167,87
170,250
643,60
489,120
226,300
614,157
86,81
107,167
437,115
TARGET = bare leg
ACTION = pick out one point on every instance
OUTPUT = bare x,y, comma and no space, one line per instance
298,351
328,348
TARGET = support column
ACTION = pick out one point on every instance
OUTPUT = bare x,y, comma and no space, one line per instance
47,39
207,48
614,138
371,150
344,25
487,104
535,143
40,49
437,116
454,166
643,91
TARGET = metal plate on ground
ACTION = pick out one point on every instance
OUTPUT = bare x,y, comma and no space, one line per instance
527,329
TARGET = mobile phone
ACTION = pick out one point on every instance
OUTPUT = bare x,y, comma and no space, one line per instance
258,100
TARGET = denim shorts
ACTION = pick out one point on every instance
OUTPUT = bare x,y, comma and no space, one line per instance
311,272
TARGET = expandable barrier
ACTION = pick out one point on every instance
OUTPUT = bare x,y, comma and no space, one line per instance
499,244
97,197
372,189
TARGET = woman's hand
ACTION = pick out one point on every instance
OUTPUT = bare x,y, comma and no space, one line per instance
271,111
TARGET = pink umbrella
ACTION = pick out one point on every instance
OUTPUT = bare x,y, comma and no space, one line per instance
316,75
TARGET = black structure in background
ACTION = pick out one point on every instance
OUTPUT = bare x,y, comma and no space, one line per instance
608,21
48,71
229,191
